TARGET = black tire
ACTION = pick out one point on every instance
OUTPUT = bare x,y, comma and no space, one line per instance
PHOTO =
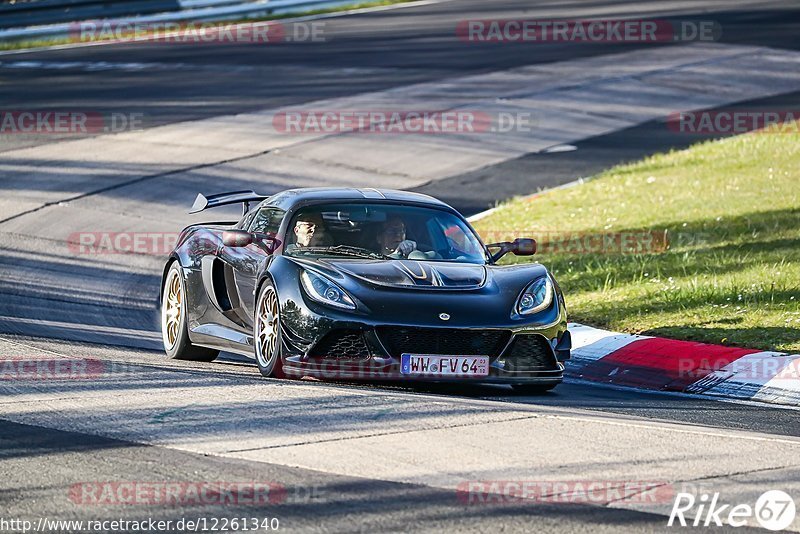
175,335
533,389
268,313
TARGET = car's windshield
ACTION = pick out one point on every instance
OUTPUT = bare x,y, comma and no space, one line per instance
382,231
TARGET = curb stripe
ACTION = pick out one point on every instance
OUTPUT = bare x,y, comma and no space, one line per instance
592,343
658,363
684,366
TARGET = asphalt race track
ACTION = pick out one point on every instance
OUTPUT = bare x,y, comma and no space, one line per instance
349,457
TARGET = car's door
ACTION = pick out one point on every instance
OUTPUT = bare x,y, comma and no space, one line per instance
243,264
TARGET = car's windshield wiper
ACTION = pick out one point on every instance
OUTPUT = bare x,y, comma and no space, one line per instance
343,250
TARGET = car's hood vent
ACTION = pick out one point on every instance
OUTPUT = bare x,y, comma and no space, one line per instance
415,274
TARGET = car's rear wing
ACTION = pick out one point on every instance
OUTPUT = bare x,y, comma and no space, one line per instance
203,202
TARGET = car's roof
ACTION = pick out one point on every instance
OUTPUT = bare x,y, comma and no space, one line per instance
293,197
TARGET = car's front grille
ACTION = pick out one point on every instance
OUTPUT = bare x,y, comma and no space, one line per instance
342,345
529,353
450,341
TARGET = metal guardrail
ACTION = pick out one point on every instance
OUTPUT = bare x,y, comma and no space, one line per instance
188,10
38,12
194,4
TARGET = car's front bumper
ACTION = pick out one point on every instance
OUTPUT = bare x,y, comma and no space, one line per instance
353,350
390,322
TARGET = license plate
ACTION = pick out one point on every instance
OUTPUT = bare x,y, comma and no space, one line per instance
437,365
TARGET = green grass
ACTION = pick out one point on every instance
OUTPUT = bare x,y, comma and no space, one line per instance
731,273
40,43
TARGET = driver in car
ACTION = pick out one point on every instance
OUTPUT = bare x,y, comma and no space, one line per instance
392,239
309,231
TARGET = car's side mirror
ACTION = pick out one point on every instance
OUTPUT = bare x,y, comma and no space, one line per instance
524,246
236,238
521,246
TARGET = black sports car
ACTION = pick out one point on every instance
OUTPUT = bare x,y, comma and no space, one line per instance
361,284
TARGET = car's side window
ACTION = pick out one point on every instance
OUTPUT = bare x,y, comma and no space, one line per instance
267,221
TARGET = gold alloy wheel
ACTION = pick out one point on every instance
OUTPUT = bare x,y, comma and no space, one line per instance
267,327
172,309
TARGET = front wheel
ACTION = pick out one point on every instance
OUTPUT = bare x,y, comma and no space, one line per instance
174,332
267,333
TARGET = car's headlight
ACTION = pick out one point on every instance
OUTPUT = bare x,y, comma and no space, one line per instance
323,290
537,296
